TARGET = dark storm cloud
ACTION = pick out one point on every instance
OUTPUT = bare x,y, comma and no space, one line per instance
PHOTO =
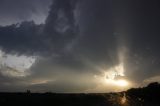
97,41
80,35
21,38
60,27
143,26
27,37
13,11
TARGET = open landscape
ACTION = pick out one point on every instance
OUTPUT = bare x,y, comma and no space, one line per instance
146,96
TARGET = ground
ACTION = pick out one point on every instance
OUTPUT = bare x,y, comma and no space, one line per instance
147,96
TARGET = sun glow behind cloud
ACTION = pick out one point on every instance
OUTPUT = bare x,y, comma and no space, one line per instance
121,83
112,80
115,76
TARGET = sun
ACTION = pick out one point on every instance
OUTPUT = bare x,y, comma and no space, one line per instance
121,83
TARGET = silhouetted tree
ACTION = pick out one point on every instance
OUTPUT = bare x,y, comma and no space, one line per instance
28,91
153,85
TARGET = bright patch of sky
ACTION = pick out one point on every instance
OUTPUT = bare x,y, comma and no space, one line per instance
15,65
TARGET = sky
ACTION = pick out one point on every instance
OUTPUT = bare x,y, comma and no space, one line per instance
78,45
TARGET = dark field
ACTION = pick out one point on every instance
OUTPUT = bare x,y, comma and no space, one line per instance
147,96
